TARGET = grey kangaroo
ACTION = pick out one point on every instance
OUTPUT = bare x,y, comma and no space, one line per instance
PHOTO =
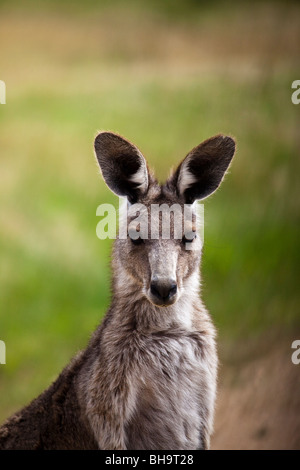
147,379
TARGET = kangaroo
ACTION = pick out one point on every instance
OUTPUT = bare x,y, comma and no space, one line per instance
147,379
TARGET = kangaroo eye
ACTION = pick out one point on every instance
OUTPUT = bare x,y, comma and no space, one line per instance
190,238
137,241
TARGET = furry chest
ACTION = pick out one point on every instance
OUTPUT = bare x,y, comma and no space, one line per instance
168,403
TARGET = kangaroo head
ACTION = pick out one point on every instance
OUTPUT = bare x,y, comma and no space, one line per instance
162,264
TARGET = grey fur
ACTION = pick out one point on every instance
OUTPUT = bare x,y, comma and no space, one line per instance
147,379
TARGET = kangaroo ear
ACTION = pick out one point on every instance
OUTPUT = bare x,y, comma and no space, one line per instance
123,167
203,169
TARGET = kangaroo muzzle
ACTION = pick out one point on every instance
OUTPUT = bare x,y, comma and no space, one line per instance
163,291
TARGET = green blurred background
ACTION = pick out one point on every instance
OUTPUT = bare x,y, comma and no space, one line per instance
166,75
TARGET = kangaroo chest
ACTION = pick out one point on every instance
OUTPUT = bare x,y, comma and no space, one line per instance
167,414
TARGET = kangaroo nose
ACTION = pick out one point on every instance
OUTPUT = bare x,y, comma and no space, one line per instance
163,289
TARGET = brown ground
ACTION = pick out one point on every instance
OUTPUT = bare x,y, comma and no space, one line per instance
259,398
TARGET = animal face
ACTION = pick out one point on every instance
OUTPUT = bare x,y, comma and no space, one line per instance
162,249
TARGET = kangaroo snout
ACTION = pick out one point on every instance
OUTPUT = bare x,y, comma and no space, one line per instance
163,291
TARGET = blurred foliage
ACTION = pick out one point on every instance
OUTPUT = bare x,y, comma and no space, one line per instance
166,75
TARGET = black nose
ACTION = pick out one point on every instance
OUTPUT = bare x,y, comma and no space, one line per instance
163,290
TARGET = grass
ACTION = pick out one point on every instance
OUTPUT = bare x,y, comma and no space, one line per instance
166,83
